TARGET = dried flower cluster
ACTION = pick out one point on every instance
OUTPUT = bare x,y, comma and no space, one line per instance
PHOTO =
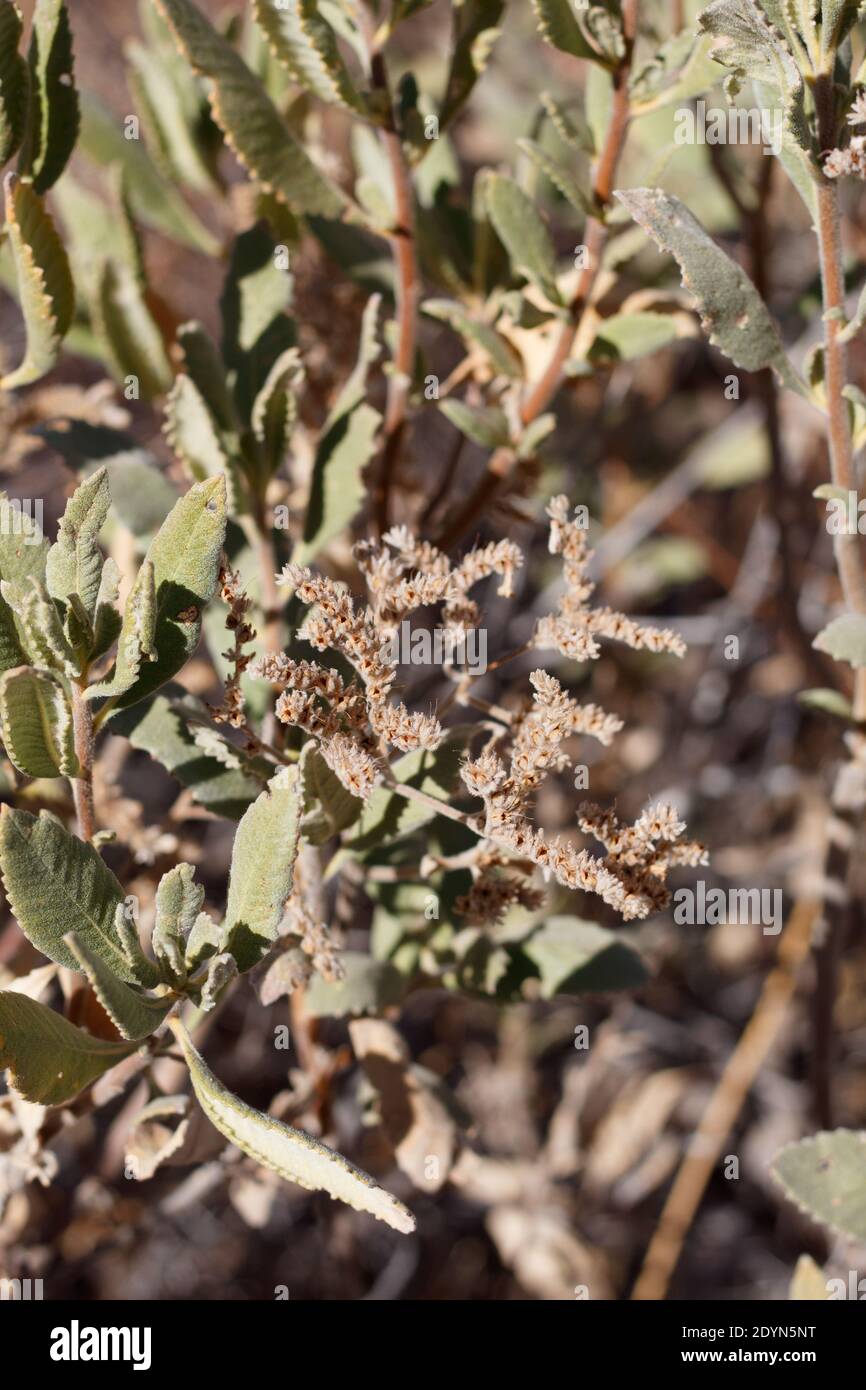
231,711
851,159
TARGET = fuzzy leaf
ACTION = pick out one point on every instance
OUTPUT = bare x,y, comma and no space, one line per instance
137,638
838,18
571,178
161,727
37,723
387,815
14,81
294,1155
368,987
275,410
168,106
141,494
306,45
45,286
486,425
263,858
328,807
577,957
178,904
194,436
337,491
74,564
523,234
53,117
23,547
623,337
732,312
251,123
844,639
475,333
474,34
826,1177
557,24
39,623
57,883
134,1015
50,1060
185,555
127,331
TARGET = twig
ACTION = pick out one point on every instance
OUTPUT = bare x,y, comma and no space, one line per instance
502,461
725,1104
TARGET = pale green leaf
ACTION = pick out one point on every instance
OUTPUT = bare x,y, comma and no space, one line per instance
328,807
844,639
263,858
337,489
178,904
136,640
732,312
809,1282
127,331
168,115
825,1176
45,286
37,723
838,18
134,1014
251,123
74,563
569,123
39,623
504,359
306,45
623,337
474,34
294,1155
485,425
557,24
49,1059
571,178
828,701
367,987
185,555
53,116
577,957
523,233
57,883
387,815
14,81
275,410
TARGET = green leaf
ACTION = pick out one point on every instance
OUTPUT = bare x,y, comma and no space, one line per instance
168,105
577,957
732,312
74,563
155,201
275,410
23,548
37,723
569,123
475,333
844,639
327,807
623,337
195,438
53,116
45,286
57,883
162,727
828,702
826,1177
294,1155
474,34
135,1015
127,331
838,18
486,425
263,858
306,45
14,82
572,179
141,494
387,815
524,235
337,489
256,330
39,623
854,327
185,556
203,364
251,123
50,1060
178,904
557,24
136,639
680,70
368,987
